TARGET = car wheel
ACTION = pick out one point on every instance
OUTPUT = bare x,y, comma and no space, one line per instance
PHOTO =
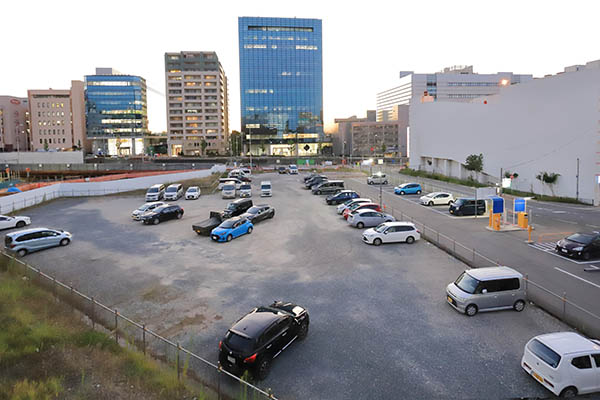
263,368
377,242
368,182
385,183
430,203
318,192
272,214
450,203
569,392
64,242
402,193
418,192
303,331
471,310
179,215
229,238
249,230
586,256
519,305
156,221
459,213
22,253
410,240
360,225
20,224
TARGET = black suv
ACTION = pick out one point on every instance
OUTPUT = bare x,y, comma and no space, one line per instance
580,245
237,207
162,213
260,336
464,206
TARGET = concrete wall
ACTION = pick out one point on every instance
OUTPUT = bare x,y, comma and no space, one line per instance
42,157
541,125
32,197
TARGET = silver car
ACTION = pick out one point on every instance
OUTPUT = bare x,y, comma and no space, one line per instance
348,203
368,217
30,240
136,215
487,289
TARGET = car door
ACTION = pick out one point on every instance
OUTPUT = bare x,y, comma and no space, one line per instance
583,374
376,218
596,359
595,245
48,239
507,292
283,335
30,241
391,234
5,222
486,295
441,198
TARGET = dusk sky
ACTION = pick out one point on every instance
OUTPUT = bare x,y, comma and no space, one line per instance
365,44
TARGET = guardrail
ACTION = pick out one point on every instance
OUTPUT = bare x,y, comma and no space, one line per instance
128,332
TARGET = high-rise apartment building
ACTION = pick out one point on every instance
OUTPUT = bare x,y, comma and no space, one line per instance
456,84
281,85
57,118
14,123
197,104
116,112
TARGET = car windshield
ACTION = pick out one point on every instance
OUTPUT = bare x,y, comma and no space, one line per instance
152,190
192,189
265,187
581,238
231,206
459,201
467,283
544,353
171,189
227,224
229,187
159,209
348,202
355,206
144,207
245,187
253,210
380,228
239,343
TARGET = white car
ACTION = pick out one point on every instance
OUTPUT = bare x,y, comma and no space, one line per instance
437,199
7,222
266,190
377,179
565,363
229,190
136,215
390,232
293,169
340,209
192,193
246,190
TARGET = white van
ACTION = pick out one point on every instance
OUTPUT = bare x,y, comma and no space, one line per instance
228,190
174,191
155,192
565,363
223,181
265,189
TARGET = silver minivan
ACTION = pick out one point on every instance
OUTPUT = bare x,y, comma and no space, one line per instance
228,191
156,192
30,240
174,191
487,289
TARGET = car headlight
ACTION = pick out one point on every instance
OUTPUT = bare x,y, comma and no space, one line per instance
580,248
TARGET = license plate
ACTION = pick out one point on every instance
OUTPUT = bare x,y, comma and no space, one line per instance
450,300
539,378
231,359
564,250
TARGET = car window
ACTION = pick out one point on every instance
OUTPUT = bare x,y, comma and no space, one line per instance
597,359
23,238
392,229
544,353
583,362
239,343
508,284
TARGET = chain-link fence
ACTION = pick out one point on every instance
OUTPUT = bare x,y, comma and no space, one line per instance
218,383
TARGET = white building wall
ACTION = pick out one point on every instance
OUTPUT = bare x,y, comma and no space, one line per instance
541,125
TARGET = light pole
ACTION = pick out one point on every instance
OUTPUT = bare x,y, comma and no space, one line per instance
249,127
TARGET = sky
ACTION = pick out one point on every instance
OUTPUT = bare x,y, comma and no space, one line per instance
46,44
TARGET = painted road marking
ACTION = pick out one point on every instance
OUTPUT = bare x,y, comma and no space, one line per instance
575,276
567,222
549,248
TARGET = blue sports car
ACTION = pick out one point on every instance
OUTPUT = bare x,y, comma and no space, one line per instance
408,188
231,229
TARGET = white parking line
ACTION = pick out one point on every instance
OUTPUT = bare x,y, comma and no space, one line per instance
575,276
548,248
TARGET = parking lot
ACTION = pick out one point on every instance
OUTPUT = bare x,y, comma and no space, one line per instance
380,326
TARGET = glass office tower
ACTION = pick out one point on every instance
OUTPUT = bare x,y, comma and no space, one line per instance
116,112
281,85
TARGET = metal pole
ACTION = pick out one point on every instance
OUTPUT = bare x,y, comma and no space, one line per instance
116,326
564,299
250,147
178,368
144,338
577,176
92,313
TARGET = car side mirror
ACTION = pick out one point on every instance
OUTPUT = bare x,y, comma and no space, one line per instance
484,291
385,232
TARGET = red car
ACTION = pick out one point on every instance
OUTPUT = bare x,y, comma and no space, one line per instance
361,206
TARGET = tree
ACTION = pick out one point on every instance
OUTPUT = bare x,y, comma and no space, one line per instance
474,163
383,148
263,149
548,178
509,174
203,145
235,143
45,145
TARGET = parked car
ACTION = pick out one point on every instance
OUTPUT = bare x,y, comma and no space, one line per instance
228,190
487,289
580,245
351,202
466,206
162,213
257,338
231,228
205,227
224,181
360,206
144,208
239,174
437,199
7,222
377,179
315,180
310,176
390,232
366,218
565,363
259,213
266,189
174,191
408,188
328,187
341,197
281,169
29,240
192,193
246,190
155,192
293,169
237,207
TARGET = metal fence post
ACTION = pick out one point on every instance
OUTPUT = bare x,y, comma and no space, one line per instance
93,317
473,256
564,300
116,326
144,338
438,237
526,282
178,369
454,246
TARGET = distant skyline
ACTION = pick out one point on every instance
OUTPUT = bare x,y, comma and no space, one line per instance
364,48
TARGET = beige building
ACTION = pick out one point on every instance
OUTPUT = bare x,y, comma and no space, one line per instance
14,126
57,118
197,108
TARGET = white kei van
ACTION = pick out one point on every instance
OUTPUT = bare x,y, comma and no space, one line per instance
266,189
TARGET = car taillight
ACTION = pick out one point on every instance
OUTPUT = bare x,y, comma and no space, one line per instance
250,359
418,231
12,245
220,344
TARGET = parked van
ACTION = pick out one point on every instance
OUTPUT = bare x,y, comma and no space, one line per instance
174,191
328,187
223,181
156,192
487,289
466,206
265,189
228,190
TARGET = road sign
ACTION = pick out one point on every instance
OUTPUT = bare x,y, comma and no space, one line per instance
306,147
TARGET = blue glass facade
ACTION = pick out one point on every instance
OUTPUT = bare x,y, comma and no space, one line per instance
281,84
115,107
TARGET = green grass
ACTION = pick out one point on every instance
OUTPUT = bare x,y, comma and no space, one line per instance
542,197
439,177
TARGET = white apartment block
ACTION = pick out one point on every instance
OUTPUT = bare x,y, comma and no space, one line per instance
456,84
197,104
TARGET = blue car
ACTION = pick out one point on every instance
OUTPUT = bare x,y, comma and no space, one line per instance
408,188
230,229
341,197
